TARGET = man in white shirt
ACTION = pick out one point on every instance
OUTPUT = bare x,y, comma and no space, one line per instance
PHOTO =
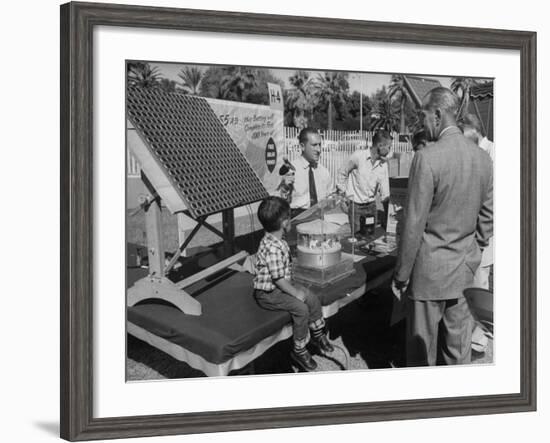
471,126
312,181
361,178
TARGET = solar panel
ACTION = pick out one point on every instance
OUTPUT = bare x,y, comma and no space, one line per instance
194,151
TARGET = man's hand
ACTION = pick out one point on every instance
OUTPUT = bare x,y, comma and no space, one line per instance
289,178
343,201
344,207
399,287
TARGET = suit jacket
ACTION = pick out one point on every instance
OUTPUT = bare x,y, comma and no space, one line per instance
448,217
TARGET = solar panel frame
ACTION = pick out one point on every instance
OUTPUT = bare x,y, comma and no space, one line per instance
193,150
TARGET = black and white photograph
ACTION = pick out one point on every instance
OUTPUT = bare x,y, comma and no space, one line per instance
281,220
275,222
290,220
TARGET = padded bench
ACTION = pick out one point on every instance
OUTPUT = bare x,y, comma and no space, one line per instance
233,330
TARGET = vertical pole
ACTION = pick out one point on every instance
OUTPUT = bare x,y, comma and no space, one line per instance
181,231
228,223
155,248
360,103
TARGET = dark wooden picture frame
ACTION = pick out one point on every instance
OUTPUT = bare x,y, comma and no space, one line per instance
77,217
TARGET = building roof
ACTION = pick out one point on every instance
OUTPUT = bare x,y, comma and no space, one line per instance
483,90
481,104
418,87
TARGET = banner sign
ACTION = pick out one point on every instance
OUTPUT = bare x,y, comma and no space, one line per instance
259,134
275,96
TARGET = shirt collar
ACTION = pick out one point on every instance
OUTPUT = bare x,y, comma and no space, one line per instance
378,162
305,163
272,239
448,131
484,142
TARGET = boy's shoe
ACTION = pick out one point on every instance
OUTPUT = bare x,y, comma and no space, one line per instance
322,344
304,360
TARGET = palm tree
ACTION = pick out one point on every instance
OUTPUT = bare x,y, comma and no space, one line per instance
191,79
300,100
237,83
384,116
140,74
397,89
332,88
464,85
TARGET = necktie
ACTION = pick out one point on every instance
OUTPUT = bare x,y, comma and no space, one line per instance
312,189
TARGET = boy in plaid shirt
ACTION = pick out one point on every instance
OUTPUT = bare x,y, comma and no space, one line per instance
273,289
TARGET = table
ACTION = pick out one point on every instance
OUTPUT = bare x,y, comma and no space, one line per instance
233,330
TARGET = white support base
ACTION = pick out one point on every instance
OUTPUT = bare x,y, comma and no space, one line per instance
163,289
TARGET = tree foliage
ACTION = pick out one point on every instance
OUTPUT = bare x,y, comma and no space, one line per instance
191,77
398,92
385,116
321,100
332,91
300,100
140,74
238,83
168,85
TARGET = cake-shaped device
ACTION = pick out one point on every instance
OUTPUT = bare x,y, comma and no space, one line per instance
319,258
318,244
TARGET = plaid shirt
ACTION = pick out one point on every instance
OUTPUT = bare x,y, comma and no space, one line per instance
272,262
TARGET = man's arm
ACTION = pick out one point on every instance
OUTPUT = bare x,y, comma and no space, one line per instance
344,172
385,192
484,229
419,200
385,183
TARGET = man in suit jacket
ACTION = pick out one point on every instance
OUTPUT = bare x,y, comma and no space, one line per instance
448,222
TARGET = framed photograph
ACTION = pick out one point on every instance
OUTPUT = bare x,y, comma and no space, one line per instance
176,124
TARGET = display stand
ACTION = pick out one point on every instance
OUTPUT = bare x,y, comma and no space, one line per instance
195,172
156,285
319,260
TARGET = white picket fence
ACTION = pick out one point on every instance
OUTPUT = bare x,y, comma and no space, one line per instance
337,146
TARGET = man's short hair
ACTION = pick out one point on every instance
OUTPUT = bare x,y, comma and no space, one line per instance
470,121
272,212
304,134
442,98
381,136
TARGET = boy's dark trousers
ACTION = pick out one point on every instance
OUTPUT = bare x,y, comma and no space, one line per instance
303,313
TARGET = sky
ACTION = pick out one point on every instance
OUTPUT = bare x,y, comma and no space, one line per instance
368,83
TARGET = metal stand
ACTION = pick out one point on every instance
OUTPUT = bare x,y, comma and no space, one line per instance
156,285
228,223
352,239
